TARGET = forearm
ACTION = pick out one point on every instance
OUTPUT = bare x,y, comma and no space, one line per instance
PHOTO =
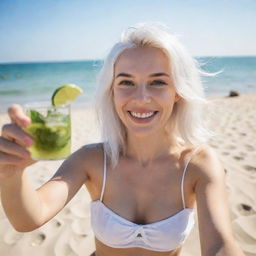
21,203
230,250
226,249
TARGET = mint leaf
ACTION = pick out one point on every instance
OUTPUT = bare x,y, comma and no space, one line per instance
36,117
52,139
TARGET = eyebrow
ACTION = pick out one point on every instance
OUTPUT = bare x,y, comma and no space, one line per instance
152,75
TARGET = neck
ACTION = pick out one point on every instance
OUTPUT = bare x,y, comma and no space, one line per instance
146,149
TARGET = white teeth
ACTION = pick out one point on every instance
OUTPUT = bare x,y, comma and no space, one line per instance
144,115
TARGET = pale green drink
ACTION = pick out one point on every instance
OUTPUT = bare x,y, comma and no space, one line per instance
51,129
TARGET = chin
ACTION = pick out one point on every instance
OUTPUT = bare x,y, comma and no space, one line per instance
142,132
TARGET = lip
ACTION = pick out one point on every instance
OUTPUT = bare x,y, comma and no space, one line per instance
142,120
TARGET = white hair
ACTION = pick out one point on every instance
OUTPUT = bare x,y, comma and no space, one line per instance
186,120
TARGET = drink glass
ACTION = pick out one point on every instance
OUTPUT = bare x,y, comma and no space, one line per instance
51,129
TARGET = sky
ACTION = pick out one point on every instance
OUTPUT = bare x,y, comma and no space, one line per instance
64,30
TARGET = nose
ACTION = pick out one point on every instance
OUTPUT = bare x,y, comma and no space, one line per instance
142,95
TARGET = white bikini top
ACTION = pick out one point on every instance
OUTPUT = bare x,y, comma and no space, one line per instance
164,235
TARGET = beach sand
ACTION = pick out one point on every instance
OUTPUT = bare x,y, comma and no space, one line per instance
70,234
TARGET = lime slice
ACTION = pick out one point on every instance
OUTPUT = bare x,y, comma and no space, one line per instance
65,94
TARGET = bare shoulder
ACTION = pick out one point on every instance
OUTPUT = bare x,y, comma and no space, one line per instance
207,165
90,156
81,161
92,149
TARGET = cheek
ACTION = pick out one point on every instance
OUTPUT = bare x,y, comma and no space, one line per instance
120,97
119,100
167,100
166,97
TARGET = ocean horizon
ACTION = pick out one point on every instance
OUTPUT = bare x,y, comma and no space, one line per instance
25,82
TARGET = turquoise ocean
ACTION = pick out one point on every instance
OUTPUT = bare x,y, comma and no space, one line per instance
28,82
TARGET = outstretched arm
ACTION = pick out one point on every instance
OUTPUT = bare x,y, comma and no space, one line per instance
215,230
25,207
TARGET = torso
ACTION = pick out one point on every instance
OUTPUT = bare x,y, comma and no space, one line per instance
129,188
103,250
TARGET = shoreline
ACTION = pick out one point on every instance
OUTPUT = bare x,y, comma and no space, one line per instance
83,105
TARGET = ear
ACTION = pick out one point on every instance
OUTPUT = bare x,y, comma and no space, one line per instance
177,97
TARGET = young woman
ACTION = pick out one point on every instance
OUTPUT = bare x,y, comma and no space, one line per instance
152,167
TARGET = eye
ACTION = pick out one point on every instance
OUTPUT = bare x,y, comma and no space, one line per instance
158,82
126,82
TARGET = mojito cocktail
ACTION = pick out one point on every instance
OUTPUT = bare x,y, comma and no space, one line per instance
51,129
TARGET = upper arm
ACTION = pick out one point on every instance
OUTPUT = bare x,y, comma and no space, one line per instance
65,183
212,202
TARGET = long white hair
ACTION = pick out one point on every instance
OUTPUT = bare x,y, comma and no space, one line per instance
187,117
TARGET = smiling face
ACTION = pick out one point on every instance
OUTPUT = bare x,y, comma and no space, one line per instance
143,90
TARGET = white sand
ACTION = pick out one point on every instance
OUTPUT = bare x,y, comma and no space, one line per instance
69,233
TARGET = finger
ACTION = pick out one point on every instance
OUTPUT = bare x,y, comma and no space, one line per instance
15,133
18,116
12,148
9,159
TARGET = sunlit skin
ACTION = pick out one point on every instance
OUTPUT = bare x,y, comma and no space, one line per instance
143,83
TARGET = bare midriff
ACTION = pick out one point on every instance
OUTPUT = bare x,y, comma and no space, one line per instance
104,250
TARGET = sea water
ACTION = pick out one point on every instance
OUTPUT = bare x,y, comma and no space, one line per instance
236,73
26,82
30,82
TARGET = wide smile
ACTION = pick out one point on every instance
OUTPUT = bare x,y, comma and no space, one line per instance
142,118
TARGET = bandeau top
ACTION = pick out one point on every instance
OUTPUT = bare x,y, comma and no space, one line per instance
164,235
